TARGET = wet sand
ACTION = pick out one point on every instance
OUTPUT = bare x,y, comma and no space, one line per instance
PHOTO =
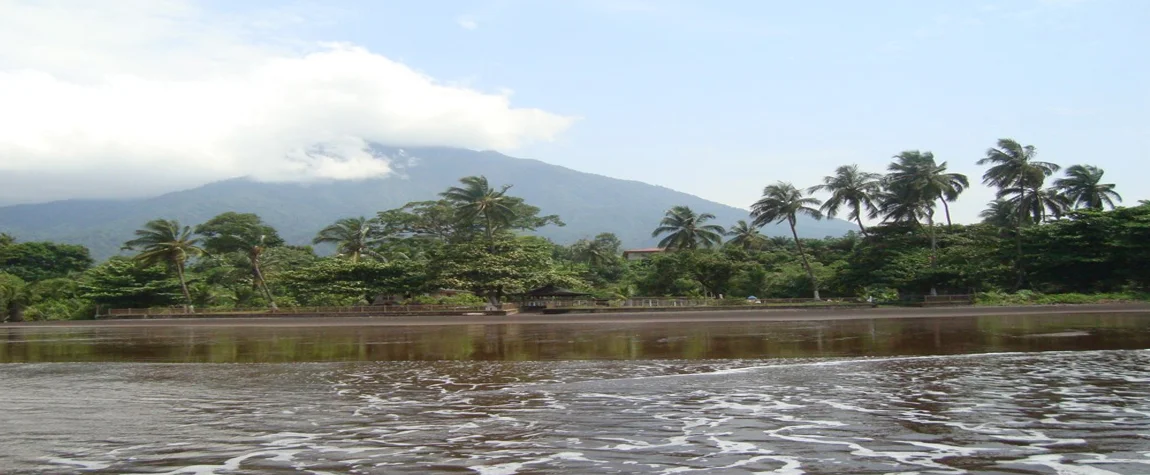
734,315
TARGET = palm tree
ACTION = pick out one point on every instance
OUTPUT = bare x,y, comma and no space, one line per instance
1083,188
915,178
783,202
686,230
1037,205
922,176
998,213
745,236
1014,170
6,239
164,241
353,237
476,199
853,188
251,238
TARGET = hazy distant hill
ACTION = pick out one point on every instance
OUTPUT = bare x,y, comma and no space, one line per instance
588,203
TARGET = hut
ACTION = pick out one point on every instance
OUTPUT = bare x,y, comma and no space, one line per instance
550,296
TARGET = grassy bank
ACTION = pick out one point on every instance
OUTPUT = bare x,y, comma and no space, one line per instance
1026,297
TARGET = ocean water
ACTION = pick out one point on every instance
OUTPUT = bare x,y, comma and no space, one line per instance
1009,395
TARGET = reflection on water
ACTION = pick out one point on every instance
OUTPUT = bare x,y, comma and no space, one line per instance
1016,395
523,342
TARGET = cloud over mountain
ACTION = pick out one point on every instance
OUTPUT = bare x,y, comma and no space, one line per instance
142,96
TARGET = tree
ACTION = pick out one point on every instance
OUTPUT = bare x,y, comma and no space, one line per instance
1083,188
163,241
6,240
1036,205
745,236
507,265
353,237
243,233
999,213
15,296
783,202
598,252
853,188
477,201
1014,170
343,282
915,177
123,283
35,261
686,230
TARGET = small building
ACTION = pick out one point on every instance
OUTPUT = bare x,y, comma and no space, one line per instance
549,296
640,254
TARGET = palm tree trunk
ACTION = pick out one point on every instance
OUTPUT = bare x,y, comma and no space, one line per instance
933,250
183,286
1018,269
263,285
806,264
946,208
490,234
861,227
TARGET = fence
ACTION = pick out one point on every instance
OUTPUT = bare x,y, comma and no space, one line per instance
663,302
360,310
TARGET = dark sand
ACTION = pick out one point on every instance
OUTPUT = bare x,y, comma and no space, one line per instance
734,315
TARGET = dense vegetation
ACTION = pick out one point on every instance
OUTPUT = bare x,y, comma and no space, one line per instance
1035,240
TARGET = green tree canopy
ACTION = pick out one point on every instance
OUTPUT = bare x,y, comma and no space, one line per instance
34,261
121,283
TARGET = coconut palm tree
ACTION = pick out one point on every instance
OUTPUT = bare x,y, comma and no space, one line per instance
853,188
246,234
745,235
477,200
1014,170
686,230
164,241
998,213
917,182
783,202
1083,188
353,237
919,175
1038,205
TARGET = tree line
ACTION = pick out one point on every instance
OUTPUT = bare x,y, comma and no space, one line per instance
1065,237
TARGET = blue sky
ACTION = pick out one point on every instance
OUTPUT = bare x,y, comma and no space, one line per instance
719,98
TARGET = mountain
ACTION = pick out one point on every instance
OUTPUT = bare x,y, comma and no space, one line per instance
588,203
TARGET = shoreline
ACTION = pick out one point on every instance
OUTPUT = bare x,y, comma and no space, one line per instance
743,315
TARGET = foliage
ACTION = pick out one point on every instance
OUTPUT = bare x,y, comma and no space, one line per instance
1083,188
686,229
353,238
33,261
468,240
121,283
163,241
852,188
347,282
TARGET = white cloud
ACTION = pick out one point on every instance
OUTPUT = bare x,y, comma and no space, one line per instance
467,23
141,96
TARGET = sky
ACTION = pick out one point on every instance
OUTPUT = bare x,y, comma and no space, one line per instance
714,98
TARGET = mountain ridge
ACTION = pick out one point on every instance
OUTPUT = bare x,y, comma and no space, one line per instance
589,203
